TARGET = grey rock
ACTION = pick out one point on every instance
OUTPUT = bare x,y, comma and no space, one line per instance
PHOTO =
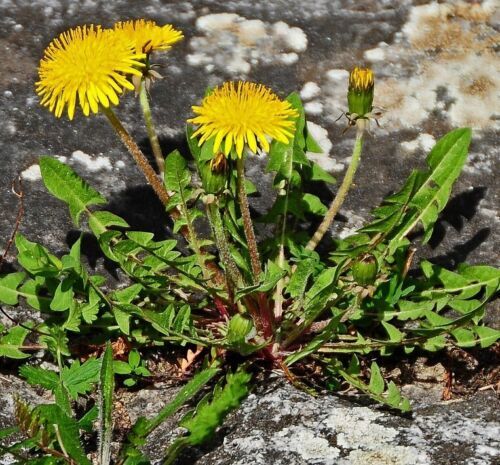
284,426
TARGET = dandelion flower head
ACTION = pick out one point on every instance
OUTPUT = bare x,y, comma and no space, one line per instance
243,113
87,65
360,92
147,36
361,79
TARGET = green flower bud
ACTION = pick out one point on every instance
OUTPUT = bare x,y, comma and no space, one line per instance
364,270
214,174
360,93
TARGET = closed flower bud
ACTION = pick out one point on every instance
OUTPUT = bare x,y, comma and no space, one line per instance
364,270
360,93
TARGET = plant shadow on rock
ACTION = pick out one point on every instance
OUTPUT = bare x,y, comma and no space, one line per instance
140,208
193,454
137,205
168,145
461,208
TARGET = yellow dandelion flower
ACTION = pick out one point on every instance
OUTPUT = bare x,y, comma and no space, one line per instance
243,113
147,35
89,64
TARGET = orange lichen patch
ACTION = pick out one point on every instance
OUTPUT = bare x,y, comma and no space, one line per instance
472,12
479,86
449,30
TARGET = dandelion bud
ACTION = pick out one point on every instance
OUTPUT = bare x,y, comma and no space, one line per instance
360,93
364,270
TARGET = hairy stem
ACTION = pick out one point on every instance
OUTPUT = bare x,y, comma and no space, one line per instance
215,219
150,128
278,294
247,221
138,156
153,179
342,192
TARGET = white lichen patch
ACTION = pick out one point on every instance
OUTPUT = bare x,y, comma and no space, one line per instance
233,44
386,455
335,91
478,162
354,222
309,91
92,163
356,428
324,160
376,54
451,49
283,426
313,108
483,436
370,442
32,173
306,444
423,142
298,440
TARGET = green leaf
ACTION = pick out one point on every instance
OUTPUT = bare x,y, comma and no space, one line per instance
487,336
319,174
464,337
37,376
61,397
321,291
177,175
435,343
121,368
105,405
445,163
78,379
141,238
202,425
86,423
313,204
238,328
10,343
316,343
298,281
129,382
8,431
90,309
101,221
36,259
134,358
62,182
127,294
68,434
8,287
395,335
143,427
391,397
376,379
311,144
122,318
354,367
63,296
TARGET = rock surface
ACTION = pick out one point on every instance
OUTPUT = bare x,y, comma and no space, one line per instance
435,69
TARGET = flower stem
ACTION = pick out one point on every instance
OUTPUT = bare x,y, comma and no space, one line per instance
247,221
138,156
342,192
150,128
215,219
